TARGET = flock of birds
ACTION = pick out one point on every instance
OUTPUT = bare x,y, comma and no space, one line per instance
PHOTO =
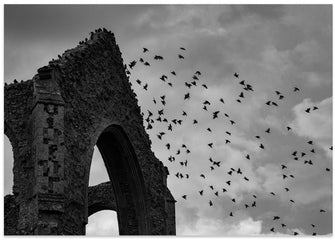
152,118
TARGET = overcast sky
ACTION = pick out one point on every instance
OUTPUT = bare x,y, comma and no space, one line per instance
273,48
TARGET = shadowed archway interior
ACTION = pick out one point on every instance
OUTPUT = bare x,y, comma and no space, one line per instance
126,181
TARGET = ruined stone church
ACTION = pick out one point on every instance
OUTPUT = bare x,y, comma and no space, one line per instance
53,122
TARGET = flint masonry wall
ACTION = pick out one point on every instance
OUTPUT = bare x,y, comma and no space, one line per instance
100,197
53,123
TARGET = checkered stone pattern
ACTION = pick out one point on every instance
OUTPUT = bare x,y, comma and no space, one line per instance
49,141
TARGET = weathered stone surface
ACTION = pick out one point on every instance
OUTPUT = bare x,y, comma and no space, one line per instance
54,121
101,197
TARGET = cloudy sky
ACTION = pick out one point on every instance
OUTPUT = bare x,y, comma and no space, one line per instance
272,48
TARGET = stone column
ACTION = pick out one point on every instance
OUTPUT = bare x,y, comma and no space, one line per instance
48,152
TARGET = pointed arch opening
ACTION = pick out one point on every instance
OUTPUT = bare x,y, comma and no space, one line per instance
126,185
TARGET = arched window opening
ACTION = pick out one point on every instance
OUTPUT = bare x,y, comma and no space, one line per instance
102,223
8,166
98,172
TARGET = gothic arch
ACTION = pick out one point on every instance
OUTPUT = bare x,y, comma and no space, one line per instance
126,180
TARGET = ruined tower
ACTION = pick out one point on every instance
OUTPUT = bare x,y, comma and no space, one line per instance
54,121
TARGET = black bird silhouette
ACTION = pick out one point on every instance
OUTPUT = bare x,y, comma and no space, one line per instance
141,60
173,73
295,233
147,64
215,114
227,141
247,157
261,146
277,92
246,179
188,85
145,87
315,108
310,142
138,81
206,103
231,214
187,96
198,73
268,103
238,100
210,203
210,145
267,130
283,225
288,128
205,86
307,110
273,193
224,190
287,189
145,50
272,229
202,175
180,56
182,48
239,171
236,75
232,122
201,192
163,77
184,196
228,182
257,137
195,121
276,218
241,95
216,193
275,104
253,204
228,133
157,57
242,82
132,64
323,211
296,89
221,100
